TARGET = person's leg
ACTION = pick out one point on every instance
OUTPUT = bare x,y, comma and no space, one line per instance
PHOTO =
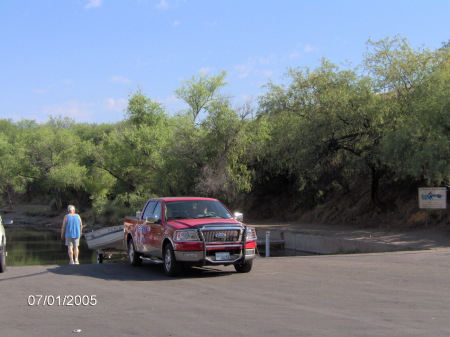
70,251
75,254
69,245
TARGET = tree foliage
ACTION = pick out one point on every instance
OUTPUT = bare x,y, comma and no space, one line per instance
324,130
416,143
200,91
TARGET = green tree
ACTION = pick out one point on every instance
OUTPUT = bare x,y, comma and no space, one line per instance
226,135
11,182
132,152
51,160
331,126
184,155
324,128
417,145
209,157
199,91
142,110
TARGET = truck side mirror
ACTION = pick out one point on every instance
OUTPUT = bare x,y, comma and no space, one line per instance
152,218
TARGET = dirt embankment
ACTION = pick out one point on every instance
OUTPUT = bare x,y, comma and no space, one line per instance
397,209
33,216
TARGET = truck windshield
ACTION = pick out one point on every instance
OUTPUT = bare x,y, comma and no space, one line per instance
195,209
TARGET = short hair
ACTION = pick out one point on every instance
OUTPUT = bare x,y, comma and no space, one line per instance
70,208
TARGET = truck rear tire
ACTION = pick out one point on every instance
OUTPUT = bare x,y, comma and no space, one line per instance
171,266
133,256
244,267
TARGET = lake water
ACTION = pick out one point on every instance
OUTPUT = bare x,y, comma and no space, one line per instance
44,247
41,247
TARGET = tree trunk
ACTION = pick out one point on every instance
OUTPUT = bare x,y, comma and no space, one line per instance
377,173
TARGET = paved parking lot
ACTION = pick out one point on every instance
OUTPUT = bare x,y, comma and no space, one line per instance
383,294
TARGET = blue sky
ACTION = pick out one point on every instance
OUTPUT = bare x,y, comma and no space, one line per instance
83,58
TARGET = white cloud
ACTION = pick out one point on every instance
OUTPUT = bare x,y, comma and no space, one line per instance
40,91
294,55
32,116
93,4
243,70
204,70
141,63
176,23
266,60
66,81
211,23
79,111
247,97
120,79
309,48
266,72
172,104
163,5
114,104
107,110
256,66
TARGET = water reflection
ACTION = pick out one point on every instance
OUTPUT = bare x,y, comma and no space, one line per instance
41,247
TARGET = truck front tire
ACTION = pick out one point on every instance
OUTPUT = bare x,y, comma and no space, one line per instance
244,267
171,266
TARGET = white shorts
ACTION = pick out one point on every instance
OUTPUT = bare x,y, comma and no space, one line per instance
72,242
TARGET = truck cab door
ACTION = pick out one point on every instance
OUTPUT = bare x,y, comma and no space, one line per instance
156,230
144,230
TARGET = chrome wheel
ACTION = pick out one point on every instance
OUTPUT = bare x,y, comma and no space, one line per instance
168,260
171,266
131,252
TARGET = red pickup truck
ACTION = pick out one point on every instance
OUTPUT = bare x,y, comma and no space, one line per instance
181,231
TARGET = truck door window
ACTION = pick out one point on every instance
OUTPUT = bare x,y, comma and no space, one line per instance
149,209
158,210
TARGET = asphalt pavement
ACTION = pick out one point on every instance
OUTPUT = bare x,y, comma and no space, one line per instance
382,294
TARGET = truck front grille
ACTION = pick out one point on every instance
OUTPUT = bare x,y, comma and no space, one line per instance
225,235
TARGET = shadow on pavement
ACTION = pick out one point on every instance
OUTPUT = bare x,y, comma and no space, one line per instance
125,272
23,276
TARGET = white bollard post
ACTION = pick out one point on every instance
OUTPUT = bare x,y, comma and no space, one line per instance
267,243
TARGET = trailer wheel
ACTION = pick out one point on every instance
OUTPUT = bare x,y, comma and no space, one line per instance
100,257
133,256
2,260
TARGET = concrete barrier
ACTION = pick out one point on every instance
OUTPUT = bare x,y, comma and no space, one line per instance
276,237
321,244
329,245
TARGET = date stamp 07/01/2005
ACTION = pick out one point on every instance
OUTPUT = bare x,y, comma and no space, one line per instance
62,300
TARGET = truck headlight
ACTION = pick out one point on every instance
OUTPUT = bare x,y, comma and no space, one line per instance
186,235
251,234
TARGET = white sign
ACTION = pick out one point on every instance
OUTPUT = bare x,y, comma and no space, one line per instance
433,197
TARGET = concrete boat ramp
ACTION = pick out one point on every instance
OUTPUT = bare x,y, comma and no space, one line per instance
381,294
351,295
326,240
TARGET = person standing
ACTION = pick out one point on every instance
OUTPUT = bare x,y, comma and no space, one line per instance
71,232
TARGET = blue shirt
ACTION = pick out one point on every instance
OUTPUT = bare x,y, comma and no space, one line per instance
73,226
